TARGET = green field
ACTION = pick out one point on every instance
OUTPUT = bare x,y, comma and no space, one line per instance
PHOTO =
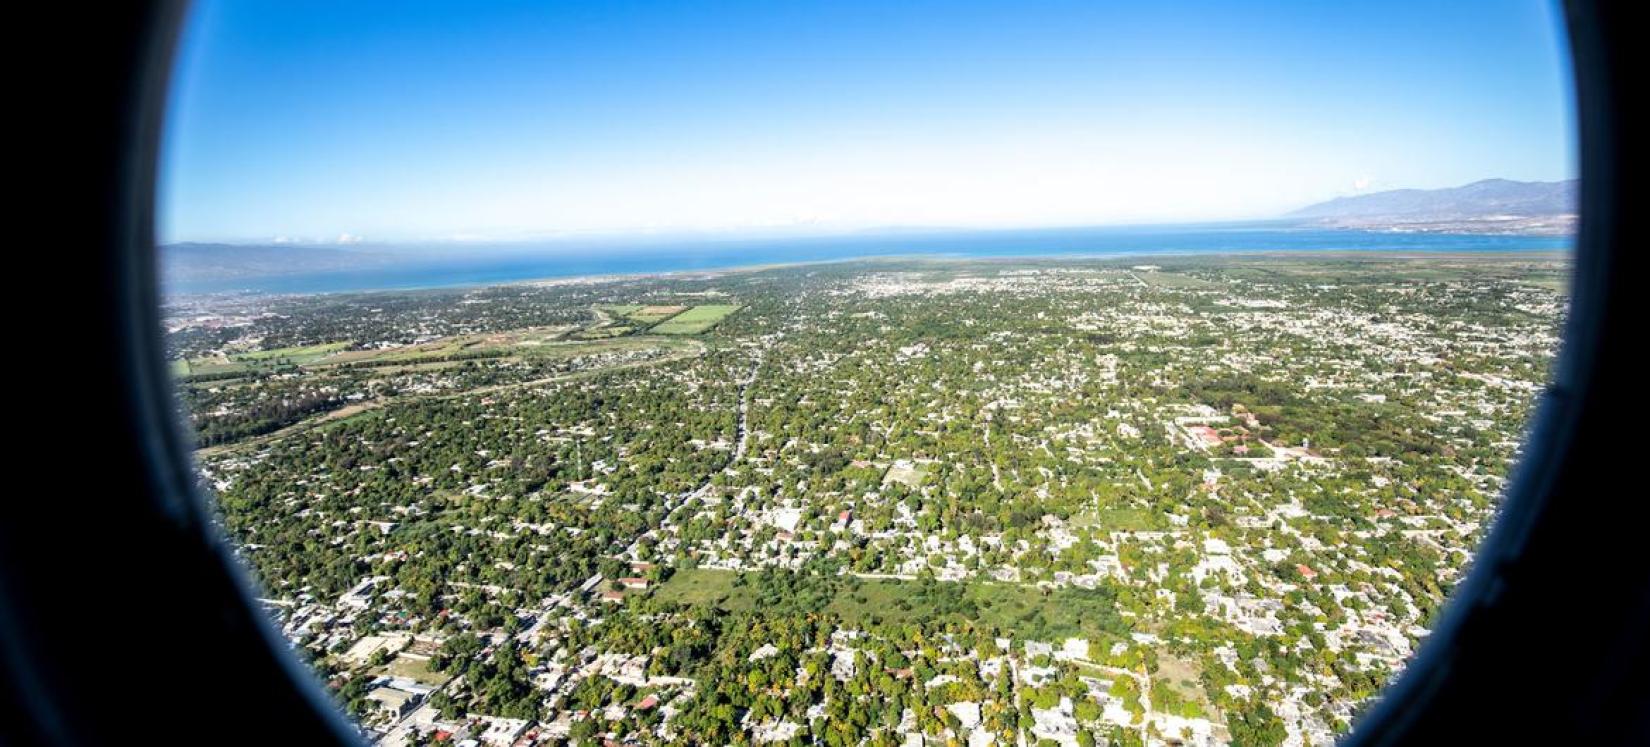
696,320
448,350
1172,280
302,354
1024,611
1116,520
417,670
654,314
910,477
698,586
621,309
627,319
601,333
644,315
258,360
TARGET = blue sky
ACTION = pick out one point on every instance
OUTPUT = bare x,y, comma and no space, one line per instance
337,122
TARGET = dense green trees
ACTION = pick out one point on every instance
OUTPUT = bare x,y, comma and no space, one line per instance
1027,438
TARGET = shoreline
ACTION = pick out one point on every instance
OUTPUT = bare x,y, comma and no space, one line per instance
1539,254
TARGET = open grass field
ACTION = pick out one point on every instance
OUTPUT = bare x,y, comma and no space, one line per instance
259,360
642,315
423,351
1116,519
515,343
1022,610
1556,283
1158,279
646,315
910,476
302,354
671,348
1542,269
1181,677
620,321
696,320
417,670
621,309
602,333
704,587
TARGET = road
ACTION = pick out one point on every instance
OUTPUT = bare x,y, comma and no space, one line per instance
742,444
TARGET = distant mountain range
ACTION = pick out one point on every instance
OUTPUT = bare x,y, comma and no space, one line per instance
1492,206
1495,206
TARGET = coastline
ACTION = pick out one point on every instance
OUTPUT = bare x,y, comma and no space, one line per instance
521,272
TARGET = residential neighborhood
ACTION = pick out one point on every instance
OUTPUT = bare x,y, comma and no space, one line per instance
1196,501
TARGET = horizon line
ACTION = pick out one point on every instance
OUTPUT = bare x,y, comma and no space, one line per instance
780,230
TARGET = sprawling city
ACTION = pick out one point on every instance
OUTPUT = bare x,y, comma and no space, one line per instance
1158,500
860,374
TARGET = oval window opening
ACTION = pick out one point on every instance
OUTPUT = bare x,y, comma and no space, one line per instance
853,374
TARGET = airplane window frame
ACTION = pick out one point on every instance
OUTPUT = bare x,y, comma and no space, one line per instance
153,518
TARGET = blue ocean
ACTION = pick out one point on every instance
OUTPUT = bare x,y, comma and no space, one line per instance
428,267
